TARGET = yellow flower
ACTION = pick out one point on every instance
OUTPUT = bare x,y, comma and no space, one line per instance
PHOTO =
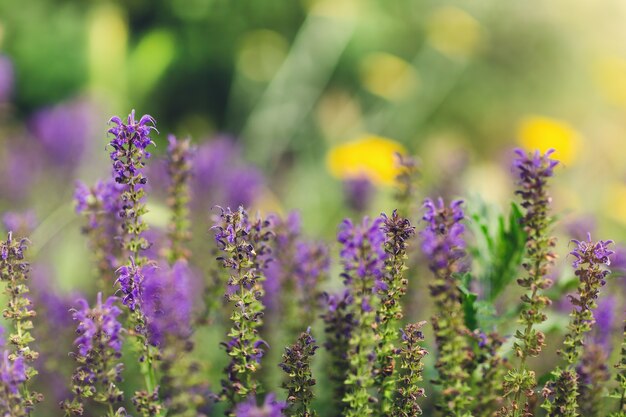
543,133
369,156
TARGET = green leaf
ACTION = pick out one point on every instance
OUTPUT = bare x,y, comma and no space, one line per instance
468,300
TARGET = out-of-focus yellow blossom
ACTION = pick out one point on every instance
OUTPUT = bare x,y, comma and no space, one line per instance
369,156
543,133
454,32
388,76
610,75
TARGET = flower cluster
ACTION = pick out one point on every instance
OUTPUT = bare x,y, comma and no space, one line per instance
533,170
101,205
442,238
593,375
398,231
339,323
444,246
411,353
98,350
128,155
131,282
590,260
297,365
294,275
167,295
19,312
179,169
168,305
312,265
363,257
244,244
220,176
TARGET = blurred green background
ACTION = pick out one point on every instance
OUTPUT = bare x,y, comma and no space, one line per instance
456,83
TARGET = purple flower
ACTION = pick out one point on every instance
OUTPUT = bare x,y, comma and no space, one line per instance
221,177
129,145
591,253
168,303
20,167
64,131
442,238
6,78
533,166
21,223
312,263
362,252
591,260
533,170
270,408
358,193
131,278
605,323
98,326
12,373
104,198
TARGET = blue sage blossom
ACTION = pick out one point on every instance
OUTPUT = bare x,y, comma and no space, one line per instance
98,352
14,273
168,303
129,153
299,383
533,170
339,324
444,245
398,232
363,258
179,168
101,206
245,247
12,373
590,261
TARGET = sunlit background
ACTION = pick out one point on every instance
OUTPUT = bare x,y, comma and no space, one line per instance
302,104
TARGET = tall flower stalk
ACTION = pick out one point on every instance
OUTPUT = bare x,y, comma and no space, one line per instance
398,231
444,246
98,354
590,261
411,353
101,205
245,247
533,170
299,384
131,139
179,169
339,323
363,258
16,398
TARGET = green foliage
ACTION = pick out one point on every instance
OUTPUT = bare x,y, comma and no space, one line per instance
499,249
